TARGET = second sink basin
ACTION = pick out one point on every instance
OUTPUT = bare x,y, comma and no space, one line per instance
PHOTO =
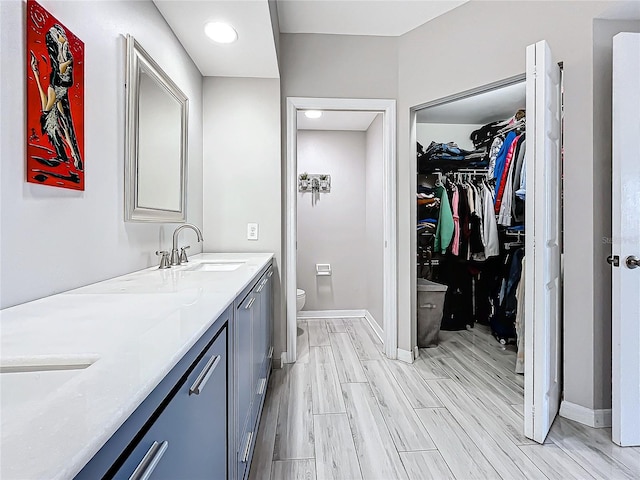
216,266
24,379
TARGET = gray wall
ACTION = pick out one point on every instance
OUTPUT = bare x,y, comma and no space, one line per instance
54,239
331,226
374,208
342,66
241,172
603,33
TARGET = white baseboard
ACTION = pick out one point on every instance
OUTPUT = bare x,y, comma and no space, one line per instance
405,356
374,325
586,416
331,313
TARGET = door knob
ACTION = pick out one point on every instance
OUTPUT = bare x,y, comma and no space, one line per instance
632,262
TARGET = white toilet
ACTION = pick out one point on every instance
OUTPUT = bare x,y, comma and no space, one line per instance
300,298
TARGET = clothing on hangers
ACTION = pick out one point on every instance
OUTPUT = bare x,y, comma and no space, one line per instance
492,242
444,231
501,159
507,165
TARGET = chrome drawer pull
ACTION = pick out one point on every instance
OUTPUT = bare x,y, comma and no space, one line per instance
150,461
245,455
270,273
203,378
259,289
270,353
263,384
250,304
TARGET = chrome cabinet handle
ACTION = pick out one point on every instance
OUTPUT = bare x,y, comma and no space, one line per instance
250,304
150,461
259,289
633,262
428,305
263,384
203,378
245,455
270,353
270,273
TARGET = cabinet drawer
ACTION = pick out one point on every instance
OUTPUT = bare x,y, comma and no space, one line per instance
188,436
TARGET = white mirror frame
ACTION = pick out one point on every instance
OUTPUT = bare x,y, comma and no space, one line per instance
137,56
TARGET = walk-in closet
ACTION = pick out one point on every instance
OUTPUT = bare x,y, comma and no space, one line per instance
470,238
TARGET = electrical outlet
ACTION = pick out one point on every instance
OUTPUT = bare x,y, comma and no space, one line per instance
252,231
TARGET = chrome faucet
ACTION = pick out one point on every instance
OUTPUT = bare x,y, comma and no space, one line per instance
176,258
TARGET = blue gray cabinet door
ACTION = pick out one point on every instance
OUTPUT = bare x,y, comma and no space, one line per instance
244,380
267,319
188,439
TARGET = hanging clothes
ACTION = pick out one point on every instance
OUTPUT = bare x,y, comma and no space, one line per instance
496,146
507,165
520,316
517,203
455,245
491,240
501,159
444,231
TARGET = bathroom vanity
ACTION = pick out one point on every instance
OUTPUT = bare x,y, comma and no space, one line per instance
155,374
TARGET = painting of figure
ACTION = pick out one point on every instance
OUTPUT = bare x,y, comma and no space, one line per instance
55,102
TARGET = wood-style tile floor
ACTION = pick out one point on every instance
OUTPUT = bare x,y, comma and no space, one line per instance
344,411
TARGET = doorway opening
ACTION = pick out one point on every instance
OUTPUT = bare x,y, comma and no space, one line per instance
313,190
478,278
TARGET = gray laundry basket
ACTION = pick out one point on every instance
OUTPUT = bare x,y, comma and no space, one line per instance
430,306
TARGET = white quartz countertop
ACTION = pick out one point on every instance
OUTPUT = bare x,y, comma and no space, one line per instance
130,330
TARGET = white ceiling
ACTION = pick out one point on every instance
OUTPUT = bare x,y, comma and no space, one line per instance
359,17
337,120
252,55
479,109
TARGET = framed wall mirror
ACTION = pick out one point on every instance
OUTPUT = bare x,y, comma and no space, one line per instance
155,142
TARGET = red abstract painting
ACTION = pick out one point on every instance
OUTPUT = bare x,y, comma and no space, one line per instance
55,102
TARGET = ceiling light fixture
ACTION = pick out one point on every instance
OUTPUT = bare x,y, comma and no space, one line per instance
220,32
313,113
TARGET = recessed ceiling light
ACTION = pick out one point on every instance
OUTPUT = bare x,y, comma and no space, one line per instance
220,32
313,113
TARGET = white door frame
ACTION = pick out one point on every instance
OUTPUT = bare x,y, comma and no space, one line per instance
390,260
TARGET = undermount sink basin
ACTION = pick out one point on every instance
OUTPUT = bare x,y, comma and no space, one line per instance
216,266
47,363
23,379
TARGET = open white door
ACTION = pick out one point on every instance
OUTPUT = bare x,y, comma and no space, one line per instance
542,245
626,240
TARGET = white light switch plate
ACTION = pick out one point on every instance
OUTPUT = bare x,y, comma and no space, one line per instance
252,231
